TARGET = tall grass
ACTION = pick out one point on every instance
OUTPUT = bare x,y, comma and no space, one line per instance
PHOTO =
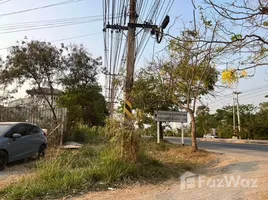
98,166
70,172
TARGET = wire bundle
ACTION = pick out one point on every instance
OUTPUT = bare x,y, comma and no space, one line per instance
115,45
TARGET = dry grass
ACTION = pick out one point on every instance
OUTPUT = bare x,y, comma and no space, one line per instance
70,172
178,159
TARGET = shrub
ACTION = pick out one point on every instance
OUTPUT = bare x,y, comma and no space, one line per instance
88,135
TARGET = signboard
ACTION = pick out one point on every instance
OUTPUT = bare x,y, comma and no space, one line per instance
170,116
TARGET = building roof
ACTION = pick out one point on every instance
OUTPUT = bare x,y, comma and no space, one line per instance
45,91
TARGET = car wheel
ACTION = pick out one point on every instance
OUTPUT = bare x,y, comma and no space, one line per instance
3,160
41,151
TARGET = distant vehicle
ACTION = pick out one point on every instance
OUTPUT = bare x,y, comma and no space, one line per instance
210,136
19,140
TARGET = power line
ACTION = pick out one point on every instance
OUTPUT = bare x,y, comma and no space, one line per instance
148,12
50,25
41,7
69,38
244,95
2,2
19,24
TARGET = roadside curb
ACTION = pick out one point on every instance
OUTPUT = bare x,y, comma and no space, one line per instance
236,141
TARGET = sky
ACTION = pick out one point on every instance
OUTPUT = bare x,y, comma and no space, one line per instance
94,43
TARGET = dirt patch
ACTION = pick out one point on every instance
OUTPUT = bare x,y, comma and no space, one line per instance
14,172
244,171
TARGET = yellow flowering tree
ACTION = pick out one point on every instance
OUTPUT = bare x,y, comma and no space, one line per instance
231,76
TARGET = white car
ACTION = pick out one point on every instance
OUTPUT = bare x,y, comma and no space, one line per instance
210,136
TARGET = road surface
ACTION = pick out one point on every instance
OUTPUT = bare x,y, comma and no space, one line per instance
251,150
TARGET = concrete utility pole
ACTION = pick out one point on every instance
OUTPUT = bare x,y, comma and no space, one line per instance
130,63
238,113
234,125
131,39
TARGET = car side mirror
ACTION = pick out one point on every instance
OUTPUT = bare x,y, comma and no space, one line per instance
16,135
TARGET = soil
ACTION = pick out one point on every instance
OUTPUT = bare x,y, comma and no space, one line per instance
250,174
14,172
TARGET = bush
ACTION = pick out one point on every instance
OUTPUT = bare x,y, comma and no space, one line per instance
170,133
88,135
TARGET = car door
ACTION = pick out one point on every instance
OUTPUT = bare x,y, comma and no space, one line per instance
17,148
34,141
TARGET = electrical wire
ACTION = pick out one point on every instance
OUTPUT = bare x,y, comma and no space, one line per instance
63,39
243,95
41,7
115,52
49,26
2,2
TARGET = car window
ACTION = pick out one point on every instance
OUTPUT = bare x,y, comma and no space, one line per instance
4,128
19,129
32,130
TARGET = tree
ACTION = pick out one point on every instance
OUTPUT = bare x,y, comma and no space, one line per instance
181,80
38,63
85,105
204,121
244,29
83,97
146,96
46,66
222,120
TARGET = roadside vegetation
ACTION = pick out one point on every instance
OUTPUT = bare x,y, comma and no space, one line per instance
99,165
253,121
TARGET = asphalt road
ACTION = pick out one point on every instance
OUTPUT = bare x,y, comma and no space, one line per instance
252,150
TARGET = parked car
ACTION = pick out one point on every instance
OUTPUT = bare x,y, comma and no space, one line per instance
19,140
210,136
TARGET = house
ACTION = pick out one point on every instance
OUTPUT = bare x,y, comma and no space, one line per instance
22,102
40,96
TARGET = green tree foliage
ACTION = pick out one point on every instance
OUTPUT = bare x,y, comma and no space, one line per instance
254,123
35,62
149,93
44,65
86,106
204,121
83,96
177,82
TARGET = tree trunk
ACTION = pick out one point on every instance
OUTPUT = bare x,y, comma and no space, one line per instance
193,133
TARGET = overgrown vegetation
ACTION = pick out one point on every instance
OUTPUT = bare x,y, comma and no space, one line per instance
85,135
99,165
253,121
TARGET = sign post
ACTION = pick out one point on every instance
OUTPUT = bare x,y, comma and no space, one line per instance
182,135
158,132
170,116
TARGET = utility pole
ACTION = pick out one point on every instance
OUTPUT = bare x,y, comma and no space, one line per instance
131,39
234,125
238,113
130,63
